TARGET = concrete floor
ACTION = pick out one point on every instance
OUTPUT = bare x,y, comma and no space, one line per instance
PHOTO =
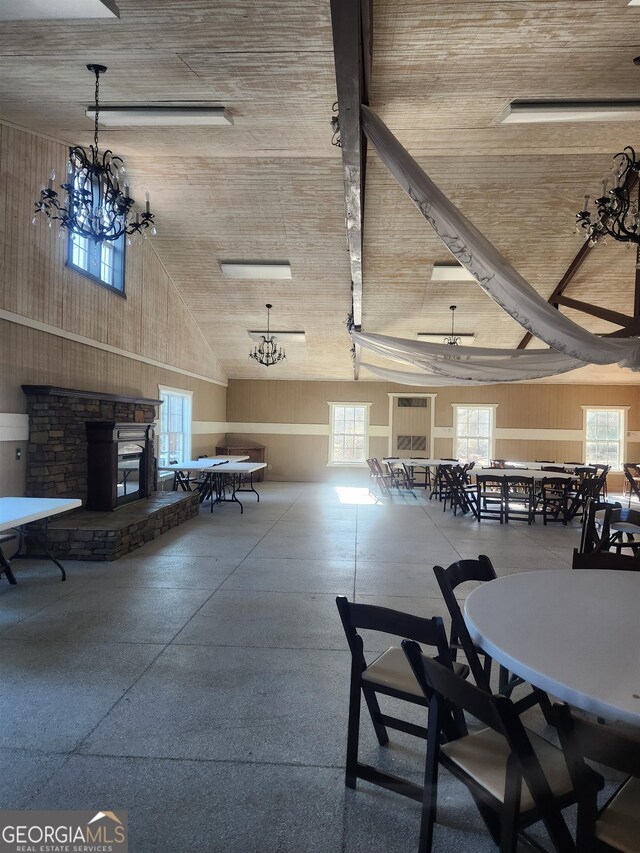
201,682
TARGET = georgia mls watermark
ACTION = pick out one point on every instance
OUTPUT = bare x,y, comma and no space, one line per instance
63,832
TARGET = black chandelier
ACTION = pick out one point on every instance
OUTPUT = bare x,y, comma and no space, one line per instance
268,352
616,212
452,340
97,203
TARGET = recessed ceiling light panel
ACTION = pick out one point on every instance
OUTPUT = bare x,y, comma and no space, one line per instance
265,270
159,115
52,10
532,112
450,272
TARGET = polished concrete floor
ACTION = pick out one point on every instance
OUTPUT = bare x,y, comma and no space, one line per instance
201,682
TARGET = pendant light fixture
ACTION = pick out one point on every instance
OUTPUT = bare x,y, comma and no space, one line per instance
268,352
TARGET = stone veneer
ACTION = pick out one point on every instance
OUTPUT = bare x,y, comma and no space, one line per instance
110,535
57,448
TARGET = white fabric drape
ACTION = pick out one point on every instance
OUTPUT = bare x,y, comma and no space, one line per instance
469,363
491,270
423,380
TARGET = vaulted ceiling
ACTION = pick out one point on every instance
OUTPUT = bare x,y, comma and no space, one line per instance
271,186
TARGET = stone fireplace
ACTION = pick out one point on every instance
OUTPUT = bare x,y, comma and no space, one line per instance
59,465
57,460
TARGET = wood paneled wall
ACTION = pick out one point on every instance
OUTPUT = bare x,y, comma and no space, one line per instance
57,303
35,283
519,407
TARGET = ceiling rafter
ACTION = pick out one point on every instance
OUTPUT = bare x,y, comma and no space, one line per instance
631,325
351,22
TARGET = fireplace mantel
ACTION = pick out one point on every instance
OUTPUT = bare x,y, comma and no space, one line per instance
51,390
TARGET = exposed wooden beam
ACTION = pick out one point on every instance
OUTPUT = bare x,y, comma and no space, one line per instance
562,285
573,268
352,56
595,311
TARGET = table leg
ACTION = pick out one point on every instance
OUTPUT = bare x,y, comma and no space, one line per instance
5,568
242,478
41,539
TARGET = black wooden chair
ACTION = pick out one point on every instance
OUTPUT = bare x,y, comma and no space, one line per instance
615,826
449,579
5,566
515,777
388,674
519,498
489,497
456,492
553,499
631,483
593,520
620,526
383,481
605,560
439,485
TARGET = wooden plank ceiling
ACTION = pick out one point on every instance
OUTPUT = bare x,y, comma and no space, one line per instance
271,187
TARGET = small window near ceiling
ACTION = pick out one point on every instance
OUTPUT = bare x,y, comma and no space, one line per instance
473,441
604,436
349,440
174,436
101,262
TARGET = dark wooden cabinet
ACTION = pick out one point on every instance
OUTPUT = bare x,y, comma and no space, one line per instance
255,452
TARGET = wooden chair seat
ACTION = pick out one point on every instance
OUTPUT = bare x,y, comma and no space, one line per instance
392,670
619,823
483,757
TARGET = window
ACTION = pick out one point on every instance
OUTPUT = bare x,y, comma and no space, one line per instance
473,439
604,436
349,440
174,438
101,262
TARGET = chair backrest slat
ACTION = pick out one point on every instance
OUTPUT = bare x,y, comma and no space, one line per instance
428,631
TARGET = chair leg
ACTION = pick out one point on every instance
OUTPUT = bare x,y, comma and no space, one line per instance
353,733
375,713
430,791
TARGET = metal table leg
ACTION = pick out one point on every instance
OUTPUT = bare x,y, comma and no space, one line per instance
41,538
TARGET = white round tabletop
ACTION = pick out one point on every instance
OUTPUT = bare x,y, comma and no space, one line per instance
574,634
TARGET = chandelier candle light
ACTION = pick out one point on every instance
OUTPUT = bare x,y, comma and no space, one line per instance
97,205
616,213
268,352
452,339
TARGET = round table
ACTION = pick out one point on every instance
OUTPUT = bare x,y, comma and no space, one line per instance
574,634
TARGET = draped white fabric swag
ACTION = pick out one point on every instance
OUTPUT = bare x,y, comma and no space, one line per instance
469,363
491,269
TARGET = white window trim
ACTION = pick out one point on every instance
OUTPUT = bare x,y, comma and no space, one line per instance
184,392
367,407
624,411
432,406
492,438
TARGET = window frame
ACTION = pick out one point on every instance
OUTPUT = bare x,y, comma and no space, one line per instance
367,413
622,441
95,249
187,416
492,407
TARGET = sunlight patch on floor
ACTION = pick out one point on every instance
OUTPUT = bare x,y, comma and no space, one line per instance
354,495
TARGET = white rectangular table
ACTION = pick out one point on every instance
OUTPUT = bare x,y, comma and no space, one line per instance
522,472
235,475
16,513
182,470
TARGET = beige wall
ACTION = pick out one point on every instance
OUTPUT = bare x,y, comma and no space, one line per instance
59,328
298,407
